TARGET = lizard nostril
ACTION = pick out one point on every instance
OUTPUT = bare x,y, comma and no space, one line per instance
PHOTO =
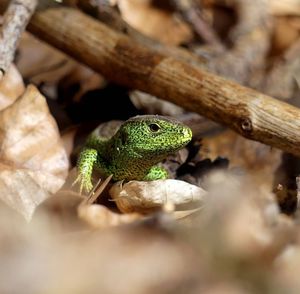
187,133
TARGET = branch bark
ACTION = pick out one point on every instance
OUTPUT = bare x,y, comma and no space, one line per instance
120,59
15,20
108,15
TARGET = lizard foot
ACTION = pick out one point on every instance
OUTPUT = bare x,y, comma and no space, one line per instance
156,173
85,184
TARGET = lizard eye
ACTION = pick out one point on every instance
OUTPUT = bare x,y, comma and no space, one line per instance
154,128
123,138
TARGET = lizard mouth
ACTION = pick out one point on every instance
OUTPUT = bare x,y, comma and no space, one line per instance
182,140
187,134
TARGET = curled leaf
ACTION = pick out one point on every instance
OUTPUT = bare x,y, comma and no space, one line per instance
11,87
151,104
35,163
99,216
287,7
135,12
142,196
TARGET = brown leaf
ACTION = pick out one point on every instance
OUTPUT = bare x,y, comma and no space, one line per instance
35,163
252,156
153,105
284,35
40,62
141,196
99,216
11,87
135,13
286,7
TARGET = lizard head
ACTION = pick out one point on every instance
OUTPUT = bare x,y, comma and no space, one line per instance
153,136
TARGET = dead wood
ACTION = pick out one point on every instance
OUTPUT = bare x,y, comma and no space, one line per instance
103,10
282,81
120,59
190,11
250,37
15,20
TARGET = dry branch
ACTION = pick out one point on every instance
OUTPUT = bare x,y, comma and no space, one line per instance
124,61
250,37
15,20
190,11
282,80
108,15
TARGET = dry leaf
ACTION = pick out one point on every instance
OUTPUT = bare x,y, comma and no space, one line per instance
99,216
243,217
153,105
284,7
254,157
140,196
35,163
181,214
147,19
72,210
40,62
285,33
287,267
61,211
37,258
11,87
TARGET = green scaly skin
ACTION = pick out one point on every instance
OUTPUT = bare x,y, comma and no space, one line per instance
133,152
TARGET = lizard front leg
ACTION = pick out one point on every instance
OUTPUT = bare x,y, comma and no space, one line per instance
156,173
85,164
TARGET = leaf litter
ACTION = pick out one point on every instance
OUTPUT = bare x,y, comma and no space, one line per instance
140,237
33,161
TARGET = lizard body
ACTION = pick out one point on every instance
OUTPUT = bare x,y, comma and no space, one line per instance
133,151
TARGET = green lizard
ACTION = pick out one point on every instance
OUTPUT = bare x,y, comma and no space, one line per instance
133,152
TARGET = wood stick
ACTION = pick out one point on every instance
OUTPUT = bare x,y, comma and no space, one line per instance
120,59
282,79
109,16
190,11
15,20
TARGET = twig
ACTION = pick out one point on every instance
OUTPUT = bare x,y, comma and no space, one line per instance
120,59
247,54
251,14
107,14
281,81
190,11
250,39
15,20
